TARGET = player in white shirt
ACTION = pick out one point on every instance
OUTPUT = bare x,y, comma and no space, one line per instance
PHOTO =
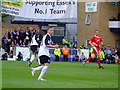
44,53
33,47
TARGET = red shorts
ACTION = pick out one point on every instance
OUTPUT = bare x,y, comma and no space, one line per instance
95,50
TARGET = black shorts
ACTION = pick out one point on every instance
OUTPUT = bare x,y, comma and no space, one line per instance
44,59
34,48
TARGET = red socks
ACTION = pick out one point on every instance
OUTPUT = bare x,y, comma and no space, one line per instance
88,59
98,60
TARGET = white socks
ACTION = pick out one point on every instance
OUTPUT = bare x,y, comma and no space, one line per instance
44,69
37,68
38,60
32,58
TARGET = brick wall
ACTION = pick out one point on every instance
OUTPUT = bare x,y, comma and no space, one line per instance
99,21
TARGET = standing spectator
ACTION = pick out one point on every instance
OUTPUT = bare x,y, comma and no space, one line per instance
27,35
15,33
10,33
65,51
104,50
64,41
21,34
33,30
82,46
102,56
11,49
6,46
89,46
82,57
57,53
71,44
29,32
75,45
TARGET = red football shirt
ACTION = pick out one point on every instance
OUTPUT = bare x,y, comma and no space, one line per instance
96,40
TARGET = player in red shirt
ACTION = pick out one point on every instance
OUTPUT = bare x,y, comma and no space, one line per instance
94,42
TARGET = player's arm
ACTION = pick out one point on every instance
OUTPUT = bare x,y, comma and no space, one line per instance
48,44
52,46
101,41
90,42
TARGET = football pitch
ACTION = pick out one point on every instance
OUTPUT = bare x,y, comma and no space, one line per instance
59,75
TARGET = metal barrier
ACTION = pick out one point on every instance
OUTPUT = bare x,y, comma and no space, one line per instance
71,55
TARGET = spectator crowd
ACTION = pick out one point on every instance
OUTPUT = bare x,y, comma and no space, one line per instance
22,38
19,38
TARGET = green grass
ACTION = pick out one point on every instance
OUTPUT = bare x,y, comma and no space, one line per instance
60,75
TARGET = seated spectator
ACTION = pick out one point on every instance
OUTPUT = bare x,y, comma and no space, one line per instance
110,59
82,46
109,51
116,59
113,51
57,53
4,56
76,58
17,41
118,52
71,44
19,57
75,45
20,44
82,57
65,51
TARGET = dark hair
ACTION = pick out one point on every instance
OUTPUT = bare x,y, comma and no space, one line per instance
95,31
49,28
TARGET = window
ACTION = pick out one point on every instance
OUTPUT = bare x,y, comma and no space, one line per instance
58,31
88,18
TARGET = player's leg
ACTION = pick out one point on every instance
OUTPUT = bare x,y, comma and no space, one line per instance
39,60
44,69
33,57
98,60
46,61
36,69
92,57
34,50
